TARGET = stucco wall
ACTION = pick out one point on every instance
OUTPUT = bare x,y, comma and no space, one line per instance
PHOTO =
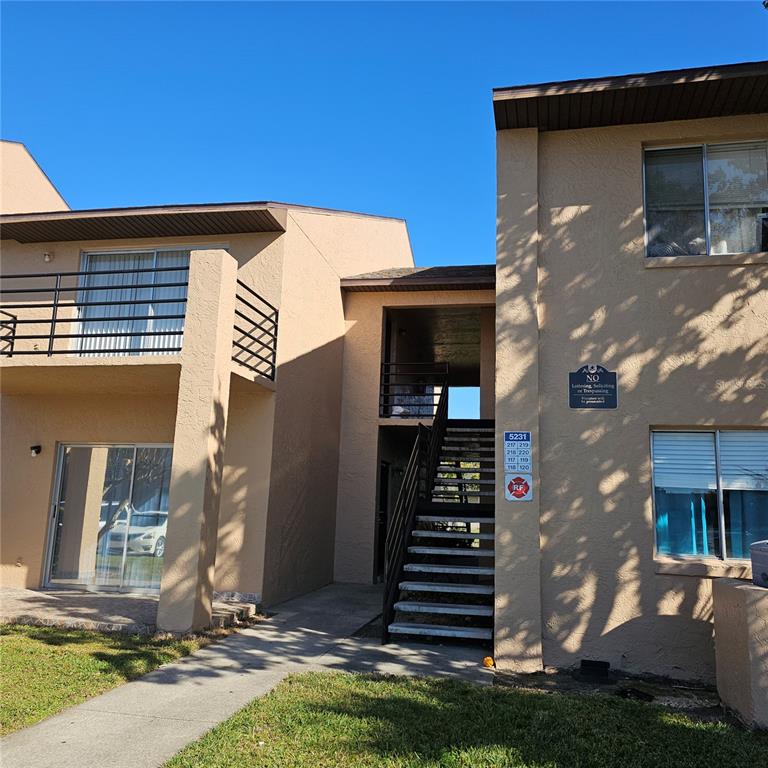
24,187
358,466
259,257
45,420
690,348
245,491
320,248
277,513
741,642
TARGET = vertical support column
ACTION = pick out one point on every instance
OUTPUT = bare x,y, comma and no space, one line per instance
186,590
487,362
518,619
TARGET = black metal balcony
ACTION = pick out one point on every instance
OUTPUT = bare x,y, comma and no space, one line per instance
94,312
411,390
97,313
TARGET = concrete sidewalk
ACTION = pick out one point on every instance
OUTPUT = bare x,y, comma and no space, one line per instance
144,723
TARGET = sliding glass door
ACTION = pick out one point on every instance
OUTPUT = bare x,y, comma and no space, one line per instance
109,517
128,307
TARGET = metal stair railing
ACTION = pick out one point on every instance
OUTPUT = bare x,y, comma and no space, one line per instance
416,486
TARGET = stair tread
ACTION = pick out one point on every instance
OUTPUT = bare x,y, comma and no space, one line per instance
460,508
441,586
454,551
440,630
453,535
467,438
463,493
458,570
448,518
414,606
464,449
462,481
449,468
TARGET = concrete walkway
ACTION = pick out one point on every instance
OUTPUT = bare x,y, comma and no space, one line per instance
144,723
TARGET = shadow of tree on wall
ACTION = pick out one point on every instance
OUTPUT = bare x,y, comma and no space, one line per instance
690,346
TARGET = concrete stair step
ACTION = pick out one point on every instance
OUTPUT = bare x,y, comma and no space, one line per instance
225,613
437,630
458,518
446,587
446,609
468,438
455,507
452,535
457,570
465,449
444,494
452,551
462,481
467,470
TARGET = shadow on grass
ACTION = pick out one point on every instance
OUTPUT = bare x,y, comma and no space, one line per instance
445,722
128,656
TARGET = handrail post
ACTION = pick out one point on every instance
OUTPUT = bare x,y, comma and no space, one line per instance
54,313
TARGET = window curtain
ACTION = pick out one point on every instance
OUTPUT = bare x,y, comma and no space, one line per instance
107,336
173,328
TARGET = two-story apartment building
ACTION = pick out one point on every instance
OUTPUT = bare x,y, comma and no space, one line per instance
157,435
253,398
632,237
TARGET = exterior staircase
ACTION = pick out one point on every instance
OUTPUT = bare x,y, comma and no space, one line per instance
445,583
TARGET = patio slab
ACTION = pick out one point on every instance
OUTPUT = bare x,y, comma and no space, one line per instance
177,703
98,611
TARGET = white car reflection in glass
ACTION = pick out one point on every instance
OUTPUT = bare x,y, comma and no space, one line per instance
146,533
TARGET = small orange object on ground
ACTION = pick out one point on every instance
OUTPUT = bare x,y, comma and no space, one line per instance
488,662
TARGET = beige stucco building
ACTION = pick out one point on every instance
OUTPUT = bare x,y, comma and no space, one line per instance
253,399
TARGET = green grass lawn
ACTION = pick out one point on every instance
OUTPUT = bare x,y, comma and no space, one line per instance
321,720
45,670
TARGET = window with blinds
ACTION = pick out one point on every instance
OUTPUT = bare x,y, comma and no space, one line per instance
707,199
710,492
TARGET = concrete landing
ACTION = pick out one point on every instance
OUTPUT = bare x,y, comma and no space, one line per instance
99,611
144,723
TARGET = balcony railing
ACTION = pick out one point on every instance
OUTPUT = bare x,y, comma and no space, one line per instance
411,390
7,332
94,312
255,339
109,312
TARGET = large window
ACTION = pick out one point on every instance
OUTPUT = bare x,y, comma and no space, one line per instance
134,303
710,199
710,492
110,515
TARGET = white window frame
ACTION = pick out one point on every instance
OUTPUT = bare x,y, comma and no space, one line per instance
703,147
723,556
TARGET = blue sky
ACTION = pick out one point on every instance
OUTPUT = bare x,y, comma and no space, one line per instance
375,107
378,107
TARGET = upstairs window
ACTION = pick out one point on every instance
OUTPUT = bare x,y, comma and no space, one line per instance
710,199
132,302
710,492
